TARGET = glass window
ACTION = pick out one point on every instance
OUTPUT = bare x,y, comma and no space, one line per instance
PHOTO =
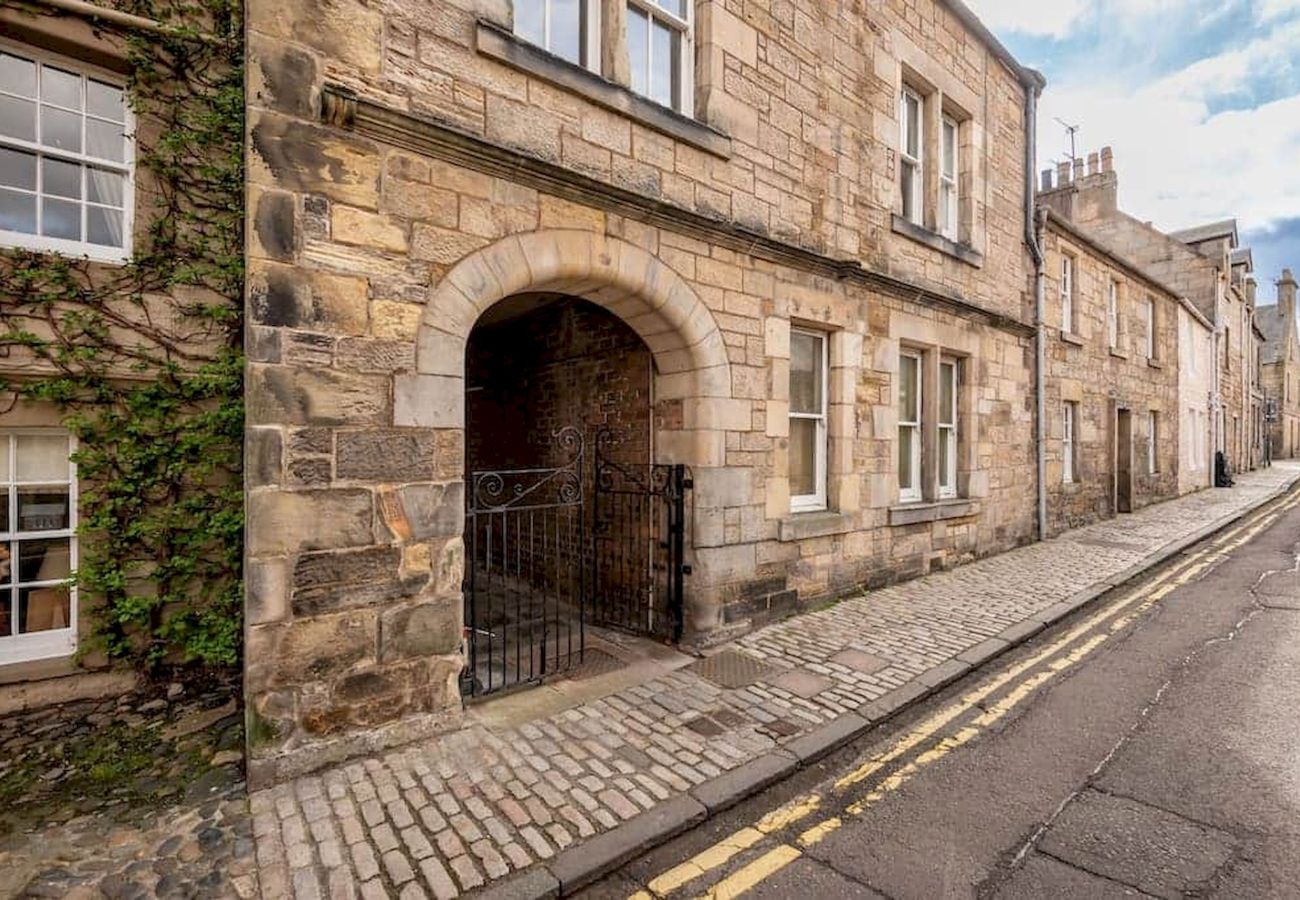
659,50
1067,294
37,546
909,427
1067,442
568,28
948,386
911,155
1153,432
1112,315
807,420
65,158
949,185
1151,327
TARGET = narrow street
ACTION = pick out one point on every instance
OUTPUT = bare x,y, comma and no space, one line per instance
1149,745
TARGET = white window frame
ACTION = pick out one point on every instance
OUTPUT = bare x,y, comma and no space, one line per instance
1067,293
685,102
62,642
1151,327
816,501
588,40
912,493
948,433
1068,445
39,242
1153,426
950,179
1112,314
906,160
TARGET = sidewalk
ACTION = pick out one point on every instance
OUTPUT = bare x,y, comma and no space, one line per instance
555,801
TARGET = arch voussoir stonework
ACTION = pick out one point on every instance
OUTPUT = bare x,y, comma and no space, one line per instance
657,303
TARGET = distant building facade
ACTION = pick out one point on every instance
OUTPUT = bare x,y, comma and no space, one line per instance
1281,369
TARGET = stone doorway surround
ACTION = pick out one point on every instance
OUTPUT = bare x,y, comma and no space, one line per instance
355,607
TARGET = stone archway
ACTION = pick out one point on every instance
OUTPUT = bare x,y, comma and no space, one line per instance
690,357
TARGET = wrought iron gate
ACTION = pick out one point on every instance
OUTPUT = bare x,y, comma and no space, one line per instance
639,544
545,557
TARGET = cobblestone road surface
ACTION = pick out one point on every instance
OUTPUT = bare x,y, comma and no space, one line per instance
446,816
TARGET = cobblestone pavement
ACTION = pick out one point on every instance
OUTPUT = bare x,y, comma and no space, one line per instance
450,815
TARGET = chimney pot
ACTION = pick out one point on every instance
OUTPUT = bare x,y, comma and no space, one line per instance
1078,169
1093,163
1286,291
1107,159
1047,179
1062,174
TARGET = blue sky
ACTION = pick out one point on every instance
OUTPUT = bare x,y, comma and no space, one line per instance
1200,100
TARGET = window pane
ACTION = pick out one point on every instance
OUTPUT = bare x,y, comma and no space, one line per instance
43,509
945,458
906,477
44,560
105,100
104,226
18,75
43,458
947,390
62,179
105,187
530,20
4,525
4,459
6,621
566,29
61,129
663,64
638,49
18,118
17,212
60,87
61,219
908,180
907,393
18,169
805,373
950,149
676,7
803,457
44,609
104,140
912,125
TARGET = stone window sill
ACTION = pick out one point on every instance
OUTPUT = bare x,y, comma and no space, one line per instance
935,241
1117,353
1155,363
804,526
1071,338
932,511
501,45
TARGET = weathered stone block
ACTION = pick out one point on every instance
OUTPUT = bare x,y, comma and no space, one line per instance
363,355
266,587
430,628
350,225
389,455
428,401
282,395
288,297
263,456
326,646
434,510
295,155
292,521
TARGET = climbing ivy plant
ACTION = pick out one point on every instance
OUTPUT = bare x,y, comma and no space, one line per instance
145,359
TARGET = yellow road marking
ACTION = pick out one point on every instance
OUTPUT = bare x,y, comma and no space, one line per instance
1150,593
760,869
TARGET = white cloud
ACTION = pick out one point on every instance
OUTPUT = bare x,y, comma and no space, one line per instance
1269,10
1050,18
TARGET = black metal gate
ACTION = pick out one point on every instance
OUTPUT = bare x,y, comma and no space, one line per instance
639,544
546,556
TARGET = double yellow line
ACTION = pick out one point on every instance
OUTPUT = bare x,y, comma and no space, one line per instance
1119,614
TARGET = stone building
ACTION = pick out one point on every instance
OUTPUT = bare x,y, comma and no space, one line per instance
510,270
1208,267
1195,392
1280,360
1114,392
75,208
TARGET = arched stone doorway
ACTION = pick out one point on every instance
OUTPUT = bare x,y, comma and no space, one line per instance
541,274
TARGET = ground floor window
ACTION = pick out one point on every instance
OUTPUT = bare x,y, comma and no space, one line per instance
909,427
808,373
1067,442
37,545
948,377
1153,431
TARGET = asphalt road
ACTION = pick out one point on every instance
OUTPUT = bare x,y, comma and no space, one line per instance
1148,746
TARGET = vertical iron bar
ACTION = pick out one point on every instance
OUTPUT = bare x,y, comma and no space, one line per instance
678,560
490,530
472,631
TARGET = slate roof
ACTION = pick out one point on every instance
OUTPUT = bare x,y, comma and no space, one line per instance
1202,233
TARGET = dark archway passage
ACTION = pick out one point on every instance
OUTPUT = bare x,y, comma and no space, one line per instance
564,522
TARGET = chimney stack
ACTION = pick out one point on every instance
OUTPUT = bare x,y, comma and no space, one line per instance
1093,163
1286,290
1062,174
1251,288
1107,159
1078,169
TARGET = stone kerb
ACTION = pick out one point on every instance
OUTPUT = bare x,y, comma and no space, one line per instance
690,357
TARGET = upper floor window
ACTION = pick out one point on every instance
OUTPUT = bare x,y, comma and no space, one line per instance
1067,293
659,50
65,157
1112,315
1150,314
38,520
912,155
808,371
568,28
949,185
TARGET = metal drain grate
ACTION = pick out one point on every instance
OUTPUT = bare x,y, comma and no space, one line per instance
595,662
732,669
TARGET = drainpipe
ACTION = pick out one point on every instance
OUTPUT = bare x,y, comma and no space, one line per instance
1033,88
